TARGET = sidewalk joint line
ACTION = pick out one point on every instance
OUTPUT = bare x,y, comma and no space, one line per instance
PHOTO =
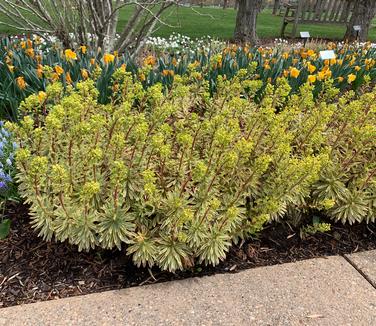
359,271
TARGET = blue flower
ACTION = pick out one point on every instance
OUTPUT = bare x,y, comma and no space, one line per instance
3,185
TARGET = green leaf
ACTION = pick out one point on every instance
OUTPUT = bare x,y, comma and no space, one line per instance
4,229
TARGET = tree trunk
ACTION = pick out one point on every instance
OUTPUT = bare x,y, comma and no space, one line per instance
225,4
276,6
245,29
364,11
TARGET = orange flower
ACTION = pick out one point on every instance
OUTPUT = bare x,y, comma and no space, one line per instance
312,78
30,52
84,74
59,71
40,71
311,68
70,55
108,58
150,61
92,61
68,78
310,53
21,82
294,73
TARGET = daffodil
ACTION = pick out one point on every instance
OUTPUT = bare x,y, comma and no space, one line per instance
83,49
311,68
59,71
70,55
294,73
312,78
21,82
351,78
84,74
150,61
108,58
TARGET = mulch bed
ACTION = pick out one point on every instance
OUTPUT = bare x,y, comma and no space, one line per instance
32,270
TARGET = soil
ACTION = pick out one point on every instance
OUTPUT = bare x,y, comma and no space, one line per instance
33,270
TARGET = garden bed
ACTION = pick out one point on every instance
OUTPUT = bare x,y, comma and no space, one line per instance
32,270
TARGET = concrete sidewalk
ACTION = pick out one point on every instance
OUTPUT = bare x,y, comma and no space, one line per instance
331,291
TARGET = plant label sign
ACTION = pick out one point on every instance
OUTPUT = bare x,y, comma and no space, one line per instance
327,55
305,35
357,28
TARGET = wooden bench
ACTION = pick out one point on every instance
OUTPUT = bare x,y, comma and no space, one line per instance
316,12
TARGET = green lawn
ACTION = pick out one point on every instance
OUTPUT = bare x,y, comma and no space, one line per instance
219,23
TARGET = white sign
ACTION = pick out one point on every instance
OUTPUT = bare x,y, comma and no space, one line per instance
327,55
305,35
357,28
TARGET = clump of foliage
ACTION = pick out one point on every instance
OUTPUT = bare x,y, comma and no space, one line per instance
172,176
347,185
8,189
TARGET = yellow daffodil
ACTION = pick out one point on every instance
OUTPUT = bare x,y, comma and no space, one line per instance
294,73
311,68
30,52
84,74
357,68
340,79
351,78
83,49
310,53
39,71
21,82
68,78
59,71
108,58
312,78
150,61
70,55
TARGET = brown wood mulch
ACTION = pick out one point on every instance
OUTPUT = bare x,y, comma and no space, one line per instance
32,270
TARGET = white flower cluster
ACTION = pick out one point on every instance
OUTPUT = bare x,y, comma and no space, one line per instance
182,44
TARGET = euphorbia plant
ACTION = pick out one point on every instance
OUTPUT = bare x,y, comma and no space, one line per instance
172,177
